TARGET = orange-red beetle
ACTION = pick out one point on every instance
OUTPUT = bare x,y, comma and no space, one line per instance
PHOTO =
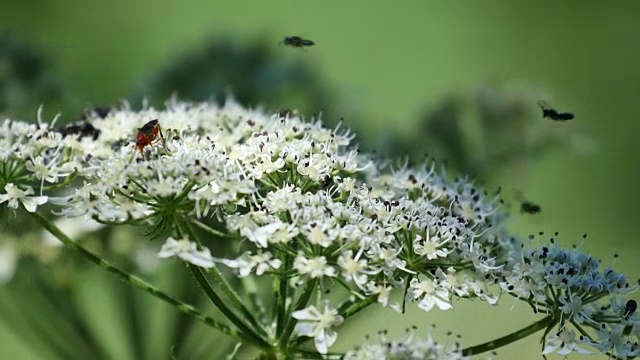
147,134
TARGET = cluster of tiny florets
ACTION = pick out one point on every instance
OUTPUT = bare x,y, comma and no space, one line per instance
587,301
412,347
298,199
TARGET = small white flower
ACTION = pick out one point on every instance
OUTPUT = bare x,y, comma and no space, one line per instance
565,340
314,267
353,268
384,294
260,236
187,251
265,165
164,187
481,289
612,339
47,172
318,325
573,307
15,194
431,293
262,262
321,233
432,247
411,347
453,281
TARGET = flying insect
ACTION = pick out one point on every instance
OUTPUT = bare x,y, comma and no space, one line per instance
527,206
296,41
548,112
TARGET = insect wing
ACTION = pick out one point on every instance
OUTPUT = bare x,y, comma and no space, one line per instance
544,105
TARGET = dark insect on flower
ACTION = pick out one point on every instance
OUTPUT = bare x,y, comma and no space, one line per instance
147,134
326,181
527,206
630,308
548,112
296,41
80,128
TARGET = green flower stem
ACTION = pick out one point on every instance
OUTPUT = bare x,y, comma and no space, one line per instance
234,352
300,304
133,280
220,283
68,180
248,334
511,338
281,289
209,229
307,355
251,288
357,307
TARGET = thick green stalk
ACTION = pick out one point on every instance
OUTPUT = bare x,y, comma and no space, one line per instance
511,338
249,334
281,291
220,283
133,280
300,304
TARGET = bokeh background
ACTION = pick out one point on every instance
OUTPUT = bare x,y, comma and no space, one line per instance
450,78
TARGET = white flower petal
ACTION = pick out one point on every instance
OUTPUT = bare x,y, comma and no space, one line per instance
323,341
31,202
305,329
187,251
201,258
309,313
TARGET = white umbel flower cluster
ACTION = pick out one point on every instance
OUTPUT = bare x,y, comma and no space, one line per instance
412,347
297,201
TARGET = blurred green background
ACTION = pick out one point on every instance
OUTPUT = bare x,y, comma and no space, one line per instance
382,66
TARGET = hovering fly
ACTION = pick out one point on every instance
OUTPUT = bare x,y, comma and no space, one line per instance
147,134
553,114
527,206
296,41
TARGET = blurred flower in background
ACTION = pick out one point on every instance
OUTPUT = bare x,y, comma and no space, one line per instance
26,79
